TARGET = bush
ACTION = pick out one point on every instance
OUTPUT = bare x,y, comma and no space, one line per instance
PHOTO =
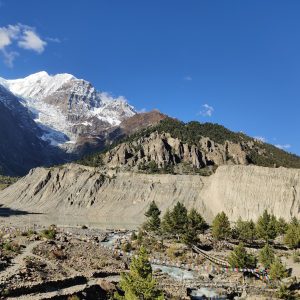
49,233
126,247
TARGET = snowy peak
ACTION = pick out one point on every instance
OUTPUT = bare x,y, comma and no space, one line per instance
39,85
67,108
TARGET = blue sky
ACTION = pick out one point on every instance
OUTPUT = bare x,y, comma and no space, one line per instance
236,63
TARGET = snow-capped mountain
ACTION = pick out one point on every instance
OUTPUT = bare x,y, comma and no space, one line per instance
68,109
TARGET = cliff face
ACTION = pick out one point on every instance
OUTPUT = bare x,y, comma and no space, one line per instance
164,150
75,194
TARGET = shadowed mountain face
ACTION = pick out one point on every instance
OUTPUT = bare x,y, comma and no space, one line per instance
21,147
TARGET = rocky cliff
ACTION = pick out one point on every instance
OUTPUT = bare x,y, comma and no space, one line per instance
164,150
75,194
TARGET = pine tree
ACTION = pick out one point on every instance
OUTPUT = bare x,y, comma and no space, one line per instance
266,226
194,226
139,282
277,270
167,223
266,256
282,226
239,258
153,213
179,218
245,230
196,221
292,236
221,226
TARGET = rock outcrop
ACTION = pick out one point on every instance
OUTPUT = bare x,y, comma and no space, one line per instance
164,151
74,194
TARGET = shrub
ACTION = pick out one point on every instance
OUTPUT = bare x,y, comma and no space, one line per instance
49,233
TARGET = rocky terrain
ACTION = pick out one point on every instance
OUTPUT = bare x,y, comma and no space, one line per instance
74,194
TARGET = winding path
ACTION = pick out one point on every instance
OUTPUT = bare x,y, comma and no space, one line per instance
18,261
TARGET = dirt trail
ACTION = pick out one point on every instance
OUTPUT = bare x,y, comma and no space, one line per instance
18,261
65,291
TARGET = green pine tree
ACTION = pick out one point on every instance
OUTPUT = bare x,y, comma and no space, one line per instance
167,223
282,226
277,270
195,225
221,226
139,282
245,230
153,215
292,236
266,256
266,226
239,258
179,218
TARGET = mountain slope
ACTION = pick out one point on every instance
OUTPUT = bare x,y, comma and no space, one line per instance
173,146
21,147
74,194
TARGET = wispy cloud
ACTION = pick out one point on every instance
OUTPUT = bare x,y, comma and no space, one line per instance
187,78
260,138
21,36
206,111
283,147
53,40
142,110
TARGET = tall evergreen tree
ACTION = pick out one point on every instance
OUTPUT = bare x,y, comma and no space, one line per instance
195,225
139,282
292,236
239,258
245,230
167,223
266,226
277,270
179,218
153,215
266,256
221,226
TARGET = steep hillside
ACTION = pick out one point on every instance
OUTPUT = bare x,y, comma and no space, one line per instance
173,146
75,194
21,146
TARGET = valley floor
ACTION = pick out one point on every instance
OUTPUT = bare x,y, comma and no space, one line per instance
87,263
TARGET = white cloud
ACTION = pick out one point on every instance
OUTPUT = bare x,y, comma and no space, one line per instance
206,111
53,40
260,138
187,78
31,41
9,57
22,36
283,147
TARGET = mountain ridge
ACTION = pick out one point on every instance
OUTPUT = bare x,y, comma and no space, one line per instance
173,144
